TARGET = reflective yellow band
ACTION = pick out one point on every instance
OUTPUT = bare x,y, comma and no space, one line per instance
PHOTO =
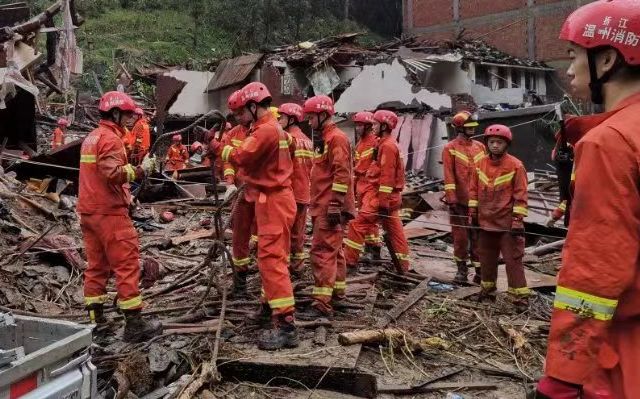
402,257
520,210
283,144
563,206
504,178
385,189
325,291
573,176
304,154
226,152
357,156
479,157
241,262
372,239
236,142
456,259
340,188
353,244
366,153
482,176
299,256
473,203
488,284
461,156
87,158
524,291
229,172
89,300
340,285
131,172
476,264
449,186
585,305
281,303
132,303
254,238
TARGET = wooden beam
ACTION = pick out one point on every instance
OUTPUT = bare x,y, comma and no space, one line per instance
414,296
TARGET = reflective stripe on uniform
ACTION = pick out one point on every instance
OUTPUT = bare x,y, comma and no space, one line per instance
478,157
340,285
476,264
87,158
482,176
366,153
449,186
523,291
89,300
226,152
304,154
473,203
229,172
402,257
504,179
374,239
241,261
299,256
520,210
461,156
456,259
325,291
488,284
283,144
340,188
236,142
281,302
353,244
385,189
131,303
585,305
131,172
563,206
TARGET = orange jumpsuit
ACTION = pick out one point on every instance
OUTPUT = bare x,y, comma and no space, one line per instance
386,182
331,186
595,328
459,158
110,240
267,167
498,197
141,136
58,138
302,163
364,158
177,157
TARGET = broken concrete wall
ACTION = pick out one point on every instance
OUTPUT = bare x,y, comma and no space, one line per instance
281,81
433,166
193,100
386,82
484,95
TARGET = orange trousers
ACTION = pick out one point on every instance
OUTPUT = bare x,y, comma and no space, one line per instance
493,243
372,238
465,241
274,214
111,245
242,224
297,238
328,263
368,217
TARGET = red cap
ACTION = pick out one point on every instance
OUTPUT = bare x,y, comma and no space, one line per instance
501,131
293,110
319,104
363,117
386,117
254,92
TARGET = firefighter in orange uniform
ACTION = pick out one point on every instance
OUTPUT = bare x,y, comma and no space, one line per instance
266,165
141,137
110,240
594,341
59,132
177,155
291,115
332,205
198,159
459,158
366,128
383,197
497,205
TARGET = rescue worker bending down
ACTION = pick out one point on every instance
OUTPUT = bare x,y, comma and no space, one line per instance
141,136
265,161
110,240
59,132
382,198
594,341
332,206
198,159
177,155
366,129
498,204
291,115
459,159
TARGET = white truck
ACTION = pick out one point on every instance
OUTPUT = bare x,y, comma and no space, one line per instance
45,359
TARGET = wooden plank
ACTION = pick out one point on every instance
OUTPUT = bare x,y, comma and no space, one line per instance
406,389
415,232
414,296
434,220
196,235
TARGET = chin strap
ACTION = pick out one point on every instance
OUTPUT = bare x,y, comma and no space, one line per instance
596,82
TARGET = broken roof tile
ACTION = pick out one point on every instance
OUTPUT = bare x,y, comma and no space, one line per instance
233,71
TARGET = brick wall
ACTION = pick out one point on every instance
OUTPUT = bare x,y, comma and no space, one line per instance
432,12
476,8
548,47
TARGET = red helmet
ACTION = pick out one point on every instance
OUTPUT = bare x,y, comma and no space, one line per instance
363,117
234,102
464,119
63,122
138,111
196,146
176,137
501,131
116,99
293,110
318,104
254,92
613,23
386,117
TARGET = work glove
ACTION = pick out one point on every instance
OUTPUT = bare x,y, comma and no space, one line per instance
334,214
149,164
551,222
517,227
231,189
551,388
384,212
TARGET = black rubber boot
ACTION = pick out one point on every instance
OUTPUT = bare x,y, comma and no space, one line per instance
352,270
461,275
477,278
261,316
96,314
521,304
284,334
375,252
240,284
313,313
488,294
137,329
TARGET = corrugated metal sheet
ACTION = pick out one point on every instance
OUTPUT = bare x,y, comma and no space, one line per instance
233,71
